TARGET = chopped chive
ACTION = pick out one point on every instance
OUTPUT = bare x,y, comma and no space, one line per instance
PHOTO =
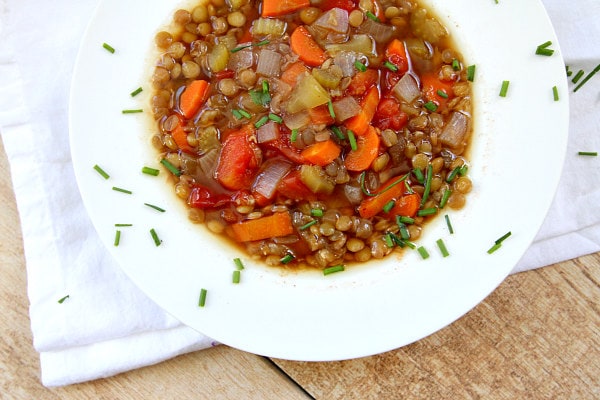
288,258
122,225
361,181
449,224
396,240
261,43
150,171
155,237
261,122
495,247
455,64
238,263
244,113
330,108
423,252
587,78
237,114
338,132
236,276
117,237
389,240
389,65
308,225
545,44
294,135
265,86
157,208
108,47
419,175
427,211
136,92
504,88
404,233
352,140
543,49
139,110
173,169
401,219
471,73
578,76
360,66
202,298
442,94
409,244
431,106
588,153
463,170
409,189
442,247
62,299
101,171
331,270
372,16
118,189
568,70
555,93
445,197
388,206
503,237
275,118
316,212
428,179
452,174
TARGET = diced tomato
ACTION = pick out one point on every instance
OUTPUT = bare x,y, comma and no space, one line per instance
284,146
226,73
202,197
239,160
362,81
291,186
347,5
389,115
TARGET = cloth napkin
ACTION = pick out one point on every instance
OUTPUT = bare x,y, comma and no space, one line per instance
106,325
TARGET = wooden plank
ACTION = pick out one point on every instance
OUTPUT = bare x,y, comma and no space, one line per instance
216,373
537,337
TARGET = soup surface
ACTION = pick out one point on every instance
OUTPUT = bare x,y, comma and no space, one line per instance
313,133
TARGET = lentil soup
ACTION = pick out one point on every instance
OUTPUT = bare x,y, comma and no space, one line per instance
313,133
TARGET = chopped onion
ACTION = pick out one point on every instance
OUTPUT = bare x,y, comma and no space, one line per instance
362,44
406,89
380,32
268,132
353,194
240,60
297,120
345,60
268,63
267,180
454,132
335,20
345,108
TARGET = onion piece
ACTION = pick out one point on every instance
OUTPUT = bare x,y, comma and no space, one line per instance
454,132
269,63
268,132
240,60
297,120
380,32
345,108
267,180
345,60
362,44
406,89
335,20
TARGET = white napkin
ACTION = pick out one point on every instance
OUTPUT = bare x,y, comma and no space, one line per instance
107,325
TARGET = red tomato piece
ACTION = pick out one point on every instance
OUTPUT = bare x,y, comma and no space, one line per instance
239,160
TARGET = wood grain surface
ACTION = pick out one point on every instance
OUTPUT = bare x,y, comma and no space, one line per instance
536,337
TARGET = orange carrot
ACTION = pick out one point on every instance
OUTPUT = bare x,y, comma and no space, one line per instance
275,225
407,205
396,54
321,153
432,84
276,8
306,48
321,115
367,148
193,97
291,74
180,138
360,122
362,81
372,206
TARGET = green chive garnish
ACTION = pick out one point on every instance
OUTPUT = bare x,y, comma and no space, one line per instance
555,93
503,237
442,94
452,174
308,225
330,108
331,270
504,88
455,65
155,237
237,114
288,258
261,122
275,118
389,65
244,113
389,205
471,73
578,76
173,169
316,212
236,276
494,248
338,132
139,110
352,140
117,237
389,239
463,170
294,135
122,225
543,49
136,92
372,16
431,106
202,298
360,66
428,178
101,171
449,224
587,78
261,43
238,263
118,189
404,233
108,47
62,299
427,211
150,171
445,197
442,247
423,252
568,70
419,175
157,208
588,153
401,219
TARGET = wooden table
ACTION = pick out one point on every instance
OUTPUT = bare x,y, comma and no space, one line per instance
536,337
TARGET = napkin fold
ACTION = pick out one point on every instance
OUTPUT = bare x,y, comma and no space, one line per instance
106,325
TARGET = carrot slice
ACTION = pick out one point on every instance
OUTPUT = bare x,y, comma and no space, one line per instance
276,8
193,97
360,122
320,115
275,225
433,85
367,148
321,153
407,205
396,54
371,206
180,138
306,48
291,74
